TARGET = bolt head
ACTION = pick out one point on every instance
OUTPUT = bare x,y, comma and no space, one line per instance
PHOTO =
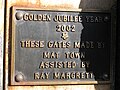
106,18
105,76
19,78
19,15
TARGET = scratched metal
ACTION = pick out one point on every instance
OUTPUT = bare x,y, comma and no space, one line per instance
27,60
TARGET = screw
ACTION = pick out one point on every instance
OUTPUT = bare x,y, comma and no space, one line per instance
105,76
19,15
19,78
106,18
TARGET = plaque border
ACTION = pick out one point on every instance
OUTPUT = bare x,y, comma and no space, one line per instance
50,82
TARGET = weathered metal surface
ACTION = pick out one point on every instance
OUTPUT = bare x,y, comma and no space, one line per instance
71,50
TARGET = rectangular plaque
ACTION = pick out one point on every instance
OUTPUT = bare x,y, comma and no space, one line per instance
60,47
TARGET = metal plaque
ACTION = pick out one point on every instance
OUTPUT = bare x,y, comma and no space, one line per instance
60,47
